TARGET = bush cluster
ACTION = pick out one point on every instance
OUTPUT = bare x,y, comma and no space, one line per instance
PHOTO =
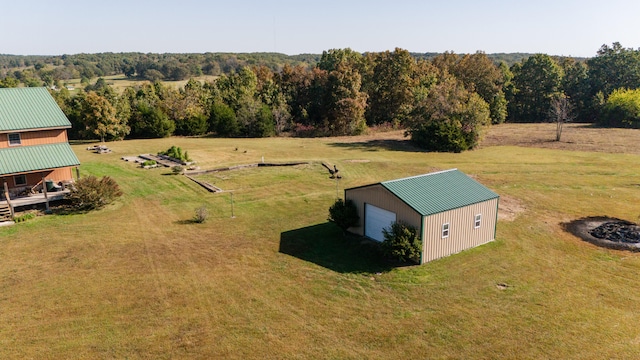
440,136
201,215
90,193
24,217
622,108
176,153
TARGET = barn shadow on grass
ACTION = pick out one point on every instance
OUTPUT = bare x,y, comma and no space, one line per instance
377,145
327,246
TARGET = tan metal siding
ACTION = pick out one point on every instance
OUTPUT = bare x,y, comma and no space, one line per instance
29,138
462,234
377,195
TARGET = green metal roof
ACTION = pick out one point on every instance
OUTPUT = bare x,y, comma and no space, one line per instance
440,191
22,159
29,108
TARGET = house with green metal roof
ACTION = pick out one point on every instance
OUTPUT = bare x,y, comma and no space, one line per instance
34,148
451,211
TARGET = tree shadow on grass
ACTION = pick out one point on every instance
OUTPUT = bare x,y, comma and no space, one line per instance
377,145
186,222
327,246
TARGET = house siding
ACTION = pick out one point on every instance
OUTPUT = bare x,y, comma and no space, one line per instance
29,138
61,174
377,195
35,178
462,234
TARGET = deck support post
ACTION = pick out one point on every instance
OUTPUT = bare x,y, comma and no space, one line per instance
6,196
46,197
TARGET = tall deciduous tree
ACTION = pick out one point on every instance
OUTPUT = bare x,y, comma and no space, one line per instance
148,120
478,73
390,87
536,81
346,103
577,88
100,118
238,88
613,68
340,103
294,84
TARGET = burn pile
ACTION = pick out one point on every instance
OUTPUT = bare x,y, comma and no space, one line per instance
606,232
618,231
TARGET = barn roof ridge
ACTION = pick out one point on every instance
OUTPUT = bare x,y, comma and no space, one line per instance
440,191
418,176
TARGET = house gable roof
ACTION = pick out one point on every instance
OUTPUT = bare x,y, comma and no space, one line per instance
29,109
433,193
23,159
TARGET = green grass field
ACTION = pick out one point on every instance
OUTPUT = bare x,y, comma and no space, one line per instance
139,279
121,82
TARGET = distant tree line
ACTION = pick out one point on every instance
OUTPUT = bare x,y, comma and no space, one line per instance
54,70
35,70
443,102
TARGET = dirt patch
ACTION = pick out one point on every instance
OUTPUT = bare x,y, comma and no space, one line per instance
509,208
606,232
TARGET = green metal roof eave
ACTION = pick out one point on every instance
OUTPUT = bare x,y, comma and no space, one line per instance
24,159
29,109
23,130
459,207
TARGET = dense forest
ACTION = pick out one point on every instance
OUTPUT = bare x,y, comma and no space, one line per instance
443,101
49,70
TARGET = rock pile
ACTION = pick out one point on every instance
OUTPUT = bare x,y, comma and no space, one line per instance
619,231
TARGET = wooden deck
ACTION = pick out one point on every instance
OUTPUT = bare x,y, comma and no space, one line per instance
36,199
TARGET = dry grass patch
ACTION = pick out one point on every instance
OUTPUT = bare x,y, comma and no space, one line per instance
576,137
138,280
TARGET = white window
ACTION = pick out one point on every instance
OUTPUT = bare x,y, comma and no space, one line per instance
445,230
20,180
14,139
477,221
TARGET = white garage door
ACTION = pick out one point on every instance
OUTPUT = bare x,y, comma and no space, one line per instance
375,220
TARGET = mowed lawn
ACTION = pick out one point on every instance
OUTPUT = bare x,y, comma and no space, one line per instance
139,279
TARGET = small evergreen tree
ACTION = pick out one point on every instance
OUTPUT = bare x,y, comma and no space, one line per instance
401,242
344,214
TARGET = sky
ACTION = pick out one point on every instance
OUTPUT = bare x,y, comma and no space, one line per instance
560,27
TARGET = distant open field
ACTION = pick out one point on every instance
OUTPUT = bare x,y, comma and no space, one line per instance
120,82
139,280
579,137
